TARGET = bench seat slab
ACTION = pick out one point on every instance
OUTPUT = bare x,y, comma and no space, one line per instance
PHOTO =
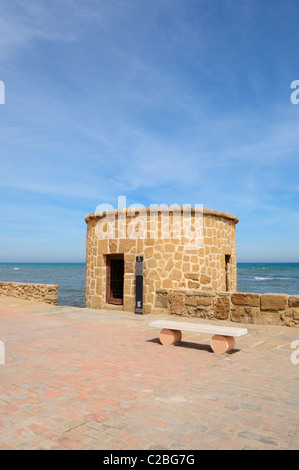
199,328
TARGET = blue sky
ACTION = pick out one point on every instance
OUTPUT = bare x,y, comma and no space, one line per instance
163,101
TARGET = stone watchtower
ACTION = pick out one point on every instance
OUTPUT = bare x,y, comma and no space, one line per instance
115,238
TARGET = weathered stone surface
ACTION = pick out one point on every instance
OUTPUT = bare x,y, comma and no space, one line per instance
129,303
222,308
287,313
129,267
98,287
176,302
95,302
126,245
240,315
169,261
162,291
197,301
287,318
251,300
192,276
47,293
268,318
296,314
175,274
193,285
113,246
213,305
294,301
204,300
191,300
204,279
161,300
274,302
167,283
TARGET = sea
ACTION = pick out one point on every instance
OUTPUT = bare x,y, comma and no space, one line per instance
252,277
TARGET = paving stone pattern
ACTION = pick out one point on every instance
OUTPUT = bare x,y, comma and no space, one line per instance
91,379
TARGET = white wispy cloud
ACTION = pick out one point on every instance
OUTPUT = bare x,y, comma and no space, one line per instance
161,101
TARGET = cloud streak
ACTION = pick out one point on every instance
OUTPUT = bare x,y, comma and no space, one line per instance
183,102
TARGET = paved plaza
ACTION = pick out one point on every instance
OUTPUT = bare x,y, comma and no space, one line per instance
97,379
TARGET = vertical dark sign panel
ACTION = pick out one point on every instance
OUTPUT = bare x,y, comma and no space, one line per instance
139,285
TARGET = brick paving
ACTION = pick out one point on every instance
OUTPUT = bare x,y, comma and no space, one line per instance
86,379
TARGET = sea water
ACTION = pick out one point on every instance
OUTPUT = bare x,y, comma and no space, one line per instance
70,278
268,277
252,277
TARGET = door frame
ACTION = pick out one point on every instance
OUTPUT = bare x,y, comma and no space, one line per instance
227,272
110,300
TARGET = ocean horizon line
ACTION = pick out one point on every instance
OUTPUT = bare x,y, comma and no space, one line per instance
84,262
259,276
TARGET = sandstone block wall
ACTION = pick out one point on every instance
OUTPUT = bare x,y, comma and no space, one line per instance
168,263
262,309
47,293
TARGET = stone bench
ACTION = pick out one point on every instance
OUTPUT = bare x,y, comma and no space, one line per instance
223,339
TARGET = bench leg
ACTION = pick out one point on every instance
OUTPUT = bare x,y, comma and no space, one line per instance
222,344
170,337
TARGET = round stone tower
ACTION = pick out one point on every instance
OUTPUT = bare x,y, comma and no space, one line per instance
181,249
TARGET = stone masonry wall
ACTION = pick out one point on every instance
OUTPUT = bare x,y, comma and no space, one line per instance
47,293
168,263
262,309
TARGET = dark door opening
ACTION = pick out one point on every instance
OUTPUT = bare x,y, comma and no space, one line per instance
227,272
115,280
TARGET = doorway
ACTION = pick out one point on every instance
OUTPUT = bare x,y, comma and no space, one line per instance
115,279
227,272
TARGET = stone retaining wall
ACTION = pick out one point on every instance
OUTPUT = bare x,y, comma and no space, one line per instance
47,293
262,309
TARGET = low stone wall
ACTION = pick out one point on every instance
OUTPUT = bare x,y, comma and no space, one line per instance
47,293
262,309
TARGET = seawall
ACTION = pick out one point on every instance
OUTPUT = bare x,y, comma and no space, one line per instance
241,307
47,293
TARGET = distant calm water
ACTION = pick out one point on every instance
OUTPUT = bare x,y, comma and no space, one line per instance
252,277
269,277
69,276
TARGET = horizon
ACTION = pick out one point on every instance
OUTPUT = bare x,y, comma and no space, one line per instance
163,102
84,262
